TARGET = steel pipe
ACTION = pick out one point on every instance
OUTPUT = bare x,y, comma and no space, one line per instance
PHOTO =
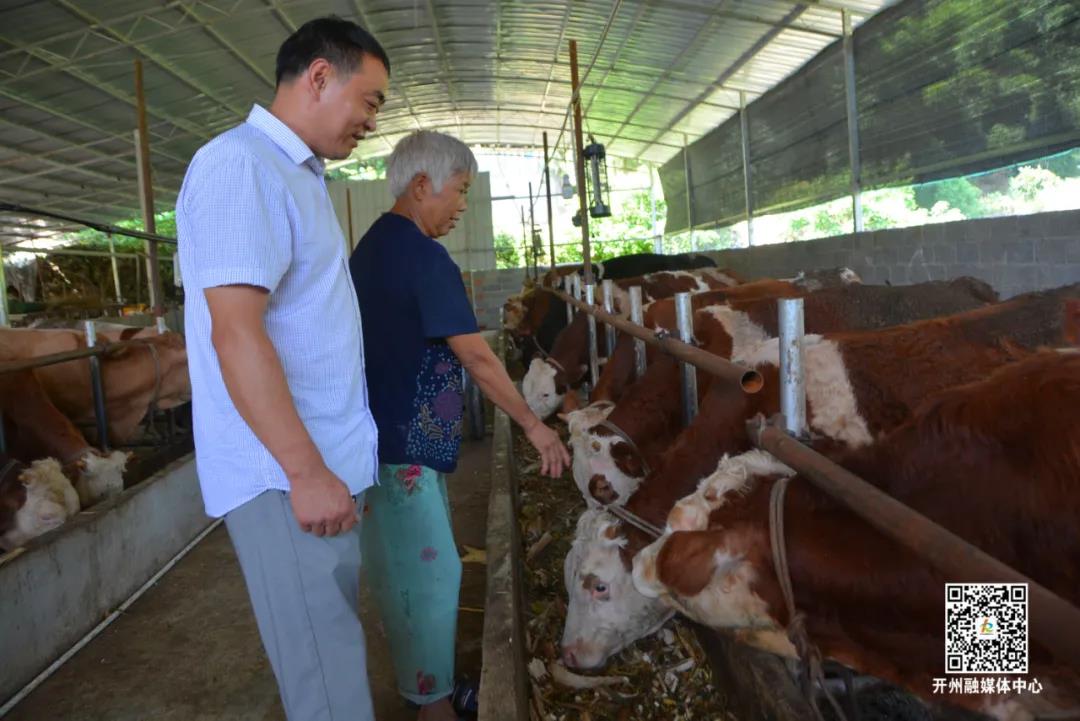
594,361
792,378
568,283
1054,621
609,306
684,320
749,380
637,317
97,388
54,358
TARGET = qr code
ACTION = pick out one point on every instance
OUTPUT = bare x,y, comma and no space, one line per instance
986,628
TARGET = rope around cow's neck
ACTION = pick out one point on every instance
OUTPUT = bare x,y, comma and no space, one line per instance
796,628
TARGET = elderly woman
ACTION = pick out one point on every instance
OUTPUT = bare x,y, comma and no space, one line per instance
419,330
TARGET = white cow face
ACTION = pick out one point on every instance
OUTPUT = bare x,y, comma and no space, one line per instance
579,422
50,501
539,389
605,612
596,472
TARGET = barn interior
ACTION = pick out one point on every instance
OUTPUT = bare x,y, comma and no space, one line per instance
899,160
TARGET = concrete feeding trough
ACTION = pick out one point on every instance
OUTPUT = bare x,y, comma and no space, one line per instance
59,586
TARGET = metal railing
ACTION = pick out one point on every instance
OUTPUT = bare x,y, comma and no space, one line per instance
1053,620
94,352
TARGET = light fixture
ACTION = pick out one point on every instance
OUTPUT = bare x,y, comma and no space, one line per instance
568,189
598,181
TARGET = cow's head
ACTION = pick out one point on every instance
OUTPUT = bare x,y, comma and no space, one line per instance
606,468
734,476
605,612
545,386
100,476
578,422
513,313
707,576
42,500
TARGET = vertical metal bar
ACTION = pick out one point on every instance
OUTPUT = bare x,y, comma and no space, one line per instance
579,164
744,135
684,316
146,193
689,192
524,243
637,316
609,306
792,380
547,185
852,123
568,286
594,363
532,236
658,237
115,269
97,389
3,292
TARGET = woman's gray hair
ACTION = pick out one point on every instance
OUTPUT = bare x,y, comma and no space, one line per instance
437,155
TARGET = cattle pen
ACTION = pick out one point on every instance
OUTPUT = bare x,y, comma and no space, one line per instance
1054,621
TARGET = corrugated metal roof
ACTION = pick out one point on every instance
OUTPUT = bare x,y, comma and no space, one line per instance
493,72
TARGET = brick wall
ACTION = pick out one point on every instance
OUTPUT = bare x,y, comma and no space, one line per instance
1015,254
489,289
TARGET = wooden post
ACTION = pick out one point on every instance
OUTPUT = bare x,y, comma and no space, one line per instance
146,194
547,184
579,165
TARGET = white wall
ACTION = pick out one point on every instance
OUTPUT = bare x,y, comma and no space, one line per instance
471,244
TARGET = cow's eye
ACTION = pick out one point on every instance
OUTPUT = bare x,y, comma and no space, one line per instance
600,588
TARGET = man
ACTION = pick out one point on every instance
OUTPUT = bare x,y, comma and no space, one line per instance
420,330
285,443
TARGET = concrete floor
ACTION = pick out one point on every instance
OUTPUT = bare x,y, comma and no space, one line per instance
189,650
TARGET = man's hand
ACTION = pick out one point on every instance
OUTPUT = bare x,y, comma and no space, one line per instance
553,454
322,504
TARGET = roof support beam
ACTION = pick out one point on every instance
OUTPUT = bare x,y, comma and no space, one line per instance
698,36
618,52
555,57
365,20
444,60
54,166
233,50
157,58
747,55
106,88
126,158
279,13
30,102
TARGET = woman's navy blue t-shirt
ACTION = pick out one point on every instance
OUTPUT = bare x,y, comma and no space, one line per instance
411,299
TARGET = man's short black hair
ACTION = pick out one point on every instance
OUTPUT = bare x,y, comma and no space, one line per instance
341,43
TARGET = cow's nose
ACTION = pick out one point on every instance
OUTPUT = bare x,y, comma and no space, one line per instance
568,657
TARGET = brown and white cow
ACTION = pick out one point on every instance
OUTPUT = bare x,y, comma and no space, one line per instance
607,469
995,462
34,499
860,385
547,380
44,408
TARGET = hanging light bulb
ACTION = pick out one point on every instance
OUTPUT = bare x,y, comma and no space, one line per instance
598,181
568,189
